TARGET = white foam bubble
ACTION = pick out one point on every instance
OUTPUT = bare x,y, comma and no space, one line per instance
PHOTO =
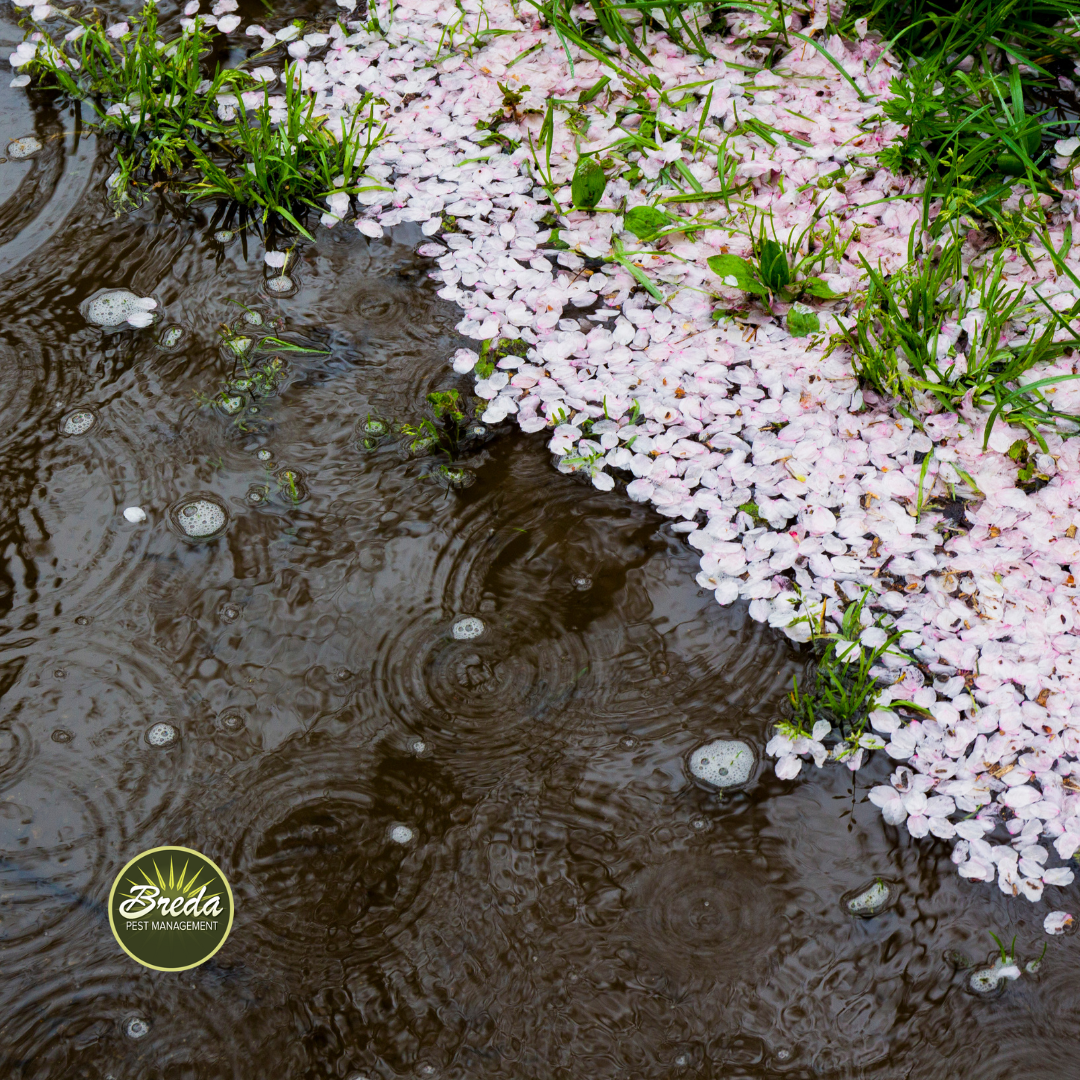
869,900
401,834
223,236
135,1027
723,763
135,514
232,722
23,147
201,518
78,422
162,735
112,307
239,345
280,284
466,627
985,981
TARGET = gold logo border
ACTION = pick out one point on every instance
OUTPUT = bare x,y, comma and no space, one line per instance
188,851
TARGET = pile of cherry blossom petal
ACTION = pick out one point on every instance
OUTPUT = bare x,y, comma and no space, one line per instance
740,412
759,446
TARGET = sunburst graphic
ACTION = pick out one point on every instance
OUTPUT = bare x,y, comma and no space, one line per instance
174,885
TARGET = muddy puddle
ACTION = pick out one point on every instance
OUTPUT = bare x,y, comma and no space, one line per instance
457,850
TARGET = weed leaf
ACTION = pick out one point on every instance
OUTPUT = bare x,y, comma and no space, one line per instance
734,266
775,271
645,221
814,286
587,187
802,321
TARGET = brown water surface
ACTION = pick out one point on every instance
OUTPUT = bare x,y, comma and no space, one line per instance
569,904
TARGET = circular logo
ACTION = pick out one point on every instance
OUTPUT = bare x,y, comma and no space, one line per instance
170,908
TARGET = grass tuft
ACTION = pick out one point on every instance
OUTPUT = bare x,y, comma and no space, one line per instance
206,132
844,689
938,334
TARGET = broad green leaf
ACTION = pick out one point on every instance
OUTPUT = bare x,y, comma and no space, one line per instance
738,268
588,184
814,286
802,321
645,221
775,272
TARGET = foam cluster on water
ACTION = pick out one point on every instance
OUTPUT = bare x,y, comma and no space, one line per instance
135,1027
23,147
723,763
200,518
986,982
455,476
115,307
78,421
709,420
171,336
232,722
162,734
466,627
231,404
869,900
280,284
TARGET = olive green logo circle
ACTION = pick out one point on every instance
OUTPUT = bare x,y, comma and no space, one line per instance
170,908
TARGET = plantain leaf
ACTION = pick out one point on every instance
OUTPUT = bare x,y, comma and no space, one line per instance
802,321
739,269
645,221
587,186
814,286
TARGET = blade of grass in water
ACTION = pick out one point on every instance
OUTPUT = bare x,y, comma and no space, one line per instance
280,345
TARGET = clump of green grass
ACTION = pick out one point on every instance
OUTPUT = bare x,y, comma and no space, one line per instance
149,94
897,347
844,690
778,270
447,406
490,356
284,165
162,104
978,74
1034,29
629,22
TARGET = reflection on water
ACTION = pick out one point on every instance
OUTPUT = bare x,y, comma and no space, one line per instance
437,736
